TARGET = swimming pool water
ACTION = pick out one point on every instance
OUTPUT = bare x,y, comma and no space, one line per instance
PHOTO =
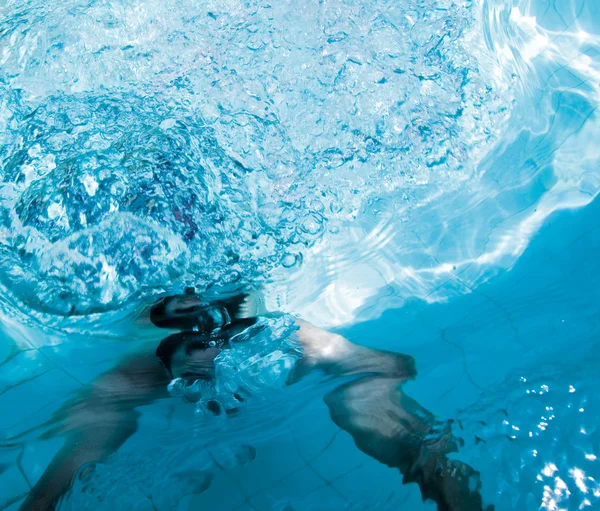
419,175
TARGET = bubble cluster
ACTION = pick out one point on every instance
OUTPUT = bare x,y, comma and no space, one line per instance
149,145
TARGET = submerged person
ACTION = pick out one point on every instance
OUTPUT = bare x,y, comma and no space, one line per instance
384,422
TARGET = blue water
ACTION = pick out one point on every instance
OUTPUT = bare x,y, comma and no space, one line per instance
420,176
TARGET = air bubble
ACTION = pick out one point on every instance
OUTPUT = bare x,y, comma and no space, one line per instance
289,260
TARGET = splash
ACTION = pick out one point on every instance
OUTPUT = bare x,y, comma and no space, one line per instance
151,145
342,154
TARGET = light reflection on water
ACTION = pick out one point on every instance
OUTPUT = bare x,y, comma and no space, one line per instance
543,59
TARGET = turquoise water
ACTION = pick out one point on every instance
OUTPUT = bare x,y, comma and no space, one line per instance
419,176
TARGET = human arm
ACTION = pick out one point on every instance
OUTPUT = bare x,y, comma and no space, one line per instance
96,423
385,423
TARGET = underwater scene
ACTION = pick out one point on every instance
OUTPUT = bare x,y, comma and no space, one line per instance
290,256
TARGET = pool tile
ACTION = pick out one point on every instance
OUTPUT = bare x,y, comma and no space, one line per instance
33,402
